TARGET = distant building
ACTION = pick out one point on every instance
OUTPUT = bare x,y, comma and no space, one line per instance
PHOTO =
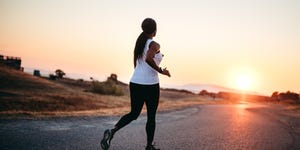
14,62
37,73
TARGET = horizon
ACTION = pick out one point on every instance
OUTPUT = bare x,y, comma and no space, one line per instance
249,45
192,87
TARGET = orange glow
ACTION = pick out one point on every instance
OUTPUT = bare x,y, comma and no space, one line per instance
204,43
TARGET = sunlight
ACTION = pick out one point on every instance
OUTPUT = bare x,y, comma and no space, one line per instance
243,78
243,82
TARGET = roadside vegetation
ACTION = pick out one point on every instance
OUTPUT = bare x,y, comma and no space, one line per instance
25,95
108,87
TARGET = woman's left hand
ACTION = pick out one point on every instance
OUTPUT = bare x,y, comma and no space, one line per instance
166,72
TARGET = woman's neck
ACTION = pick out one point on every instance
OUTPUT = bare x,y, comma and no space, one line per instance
149,36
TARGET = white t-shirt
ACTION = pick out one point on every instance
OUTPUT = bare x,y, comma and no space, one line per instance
143,73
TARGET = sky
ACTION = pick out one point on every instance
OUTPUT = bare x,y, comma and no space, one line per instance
246,44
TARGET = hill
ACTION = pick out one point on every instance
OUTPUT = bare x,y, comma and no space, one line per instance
196,88
22,94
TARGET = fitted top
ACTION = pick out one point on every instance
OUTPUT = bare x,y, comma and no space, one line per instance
143,73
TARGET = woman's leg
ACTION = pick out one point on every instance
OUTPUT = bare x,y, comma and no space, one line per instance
152,104
137,102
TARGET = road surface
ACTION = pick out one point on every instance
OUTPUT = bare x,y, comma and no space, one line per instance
204,127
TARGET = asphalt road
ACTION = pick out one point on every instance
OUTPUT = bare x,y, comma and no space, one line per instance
211,127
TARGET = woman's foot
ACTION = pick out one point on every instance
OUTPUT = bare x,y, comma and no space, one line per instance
105,142
151,147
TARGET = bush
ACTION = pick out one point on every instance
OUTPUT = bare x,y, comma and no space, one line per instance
107,88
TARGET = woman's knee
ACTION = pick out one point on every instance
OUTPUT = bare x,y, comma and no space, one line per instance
133,115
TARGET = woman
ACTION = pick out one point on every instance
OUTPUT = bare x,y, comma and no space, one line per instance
144,84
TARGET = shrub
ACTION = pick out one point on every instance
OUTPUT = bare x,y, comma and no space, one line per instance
107,88
52,77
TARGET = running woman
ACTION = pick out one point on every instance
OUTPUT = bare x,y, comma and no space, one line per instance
144,84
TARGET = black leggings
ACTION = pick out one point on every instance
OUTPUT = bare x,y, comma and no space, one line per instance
140,94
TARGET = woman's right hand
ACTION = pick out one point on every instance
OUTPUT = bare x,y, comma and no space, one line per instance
166,72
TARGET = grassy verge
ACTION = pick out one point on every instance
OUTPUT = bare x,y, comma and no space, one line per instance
24,95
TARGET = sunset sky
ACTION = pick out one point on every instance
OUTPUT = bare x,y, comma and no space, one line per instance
246,44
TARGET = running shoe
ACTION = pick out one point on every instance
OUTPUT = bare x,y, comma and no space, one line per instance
151,147
105,142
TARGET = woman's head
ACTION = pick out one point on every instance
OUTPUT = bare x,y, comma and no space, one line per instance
149,31
149,26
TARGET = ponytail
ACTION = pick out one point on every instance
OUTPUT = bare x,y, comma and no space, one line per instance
140,45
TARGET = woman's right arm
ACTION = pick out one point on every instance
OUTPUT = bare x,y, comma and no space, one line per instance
153,48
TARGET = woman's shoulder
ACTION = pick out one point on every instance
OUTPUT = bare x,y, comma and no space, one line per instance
154,44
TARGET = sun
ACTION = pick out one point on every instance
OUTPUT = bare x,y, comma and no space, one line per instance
243,78
243,82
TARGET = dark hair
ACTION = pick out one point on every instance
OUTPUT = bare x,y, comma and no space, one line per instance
148,27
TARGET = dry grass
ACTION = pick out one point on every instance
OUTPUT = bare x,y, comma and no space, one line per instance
23,95
291,106
26,95
108,87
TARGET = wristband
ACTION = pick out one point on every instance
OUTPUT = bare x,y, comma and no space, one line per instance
160,70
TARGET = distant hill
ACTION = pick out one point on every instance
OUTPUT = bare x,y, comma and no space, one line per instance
196,88
12,79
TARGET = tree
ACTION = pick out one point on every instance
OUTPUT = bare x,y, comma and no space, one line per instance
275,95
288,96
59,73
203,92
